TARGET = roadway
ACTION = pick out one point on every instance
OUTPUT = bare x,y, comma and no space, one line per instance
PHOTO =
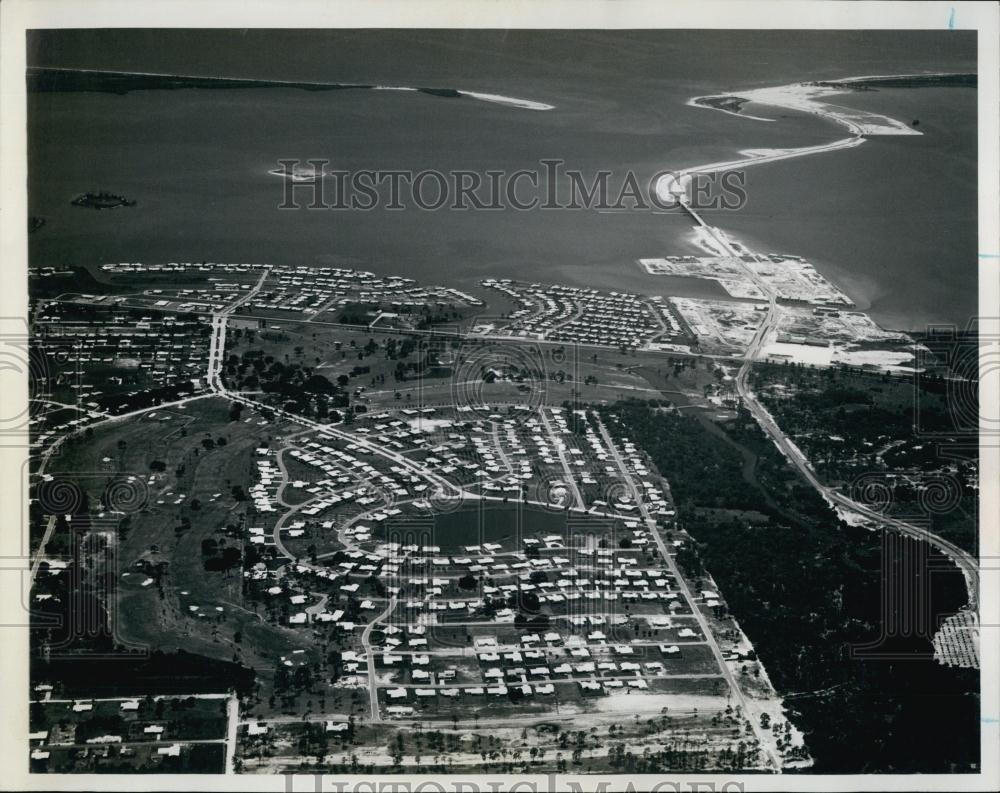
663,187
560,446
376,713
768,325
217,344
965,562
232,727
751,714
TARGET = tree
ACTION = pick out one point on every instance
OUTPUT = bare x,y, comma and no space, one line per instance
318,384
468,582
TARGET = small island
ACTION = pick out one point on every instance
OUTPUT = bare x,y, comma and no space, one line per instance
102,200
731,104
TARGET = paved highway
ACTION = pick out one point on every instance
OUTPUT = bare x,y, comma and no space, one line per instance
965,562
751,714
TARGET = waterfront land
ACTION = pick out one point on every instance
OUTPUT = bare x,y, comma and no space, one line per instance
335,518
440,521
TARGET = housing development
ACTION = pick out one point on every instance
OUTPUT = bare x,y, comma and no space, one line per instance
399,515
525,409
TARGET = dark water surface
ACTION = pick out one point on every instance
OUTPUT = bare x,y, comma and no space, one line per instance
892,221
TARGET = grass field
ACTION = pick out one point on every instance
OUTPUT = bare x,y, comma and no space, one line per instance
175,493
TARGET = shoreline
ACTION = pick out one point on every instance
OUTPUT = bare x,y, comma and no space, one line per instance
136,81
804,97
801,97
